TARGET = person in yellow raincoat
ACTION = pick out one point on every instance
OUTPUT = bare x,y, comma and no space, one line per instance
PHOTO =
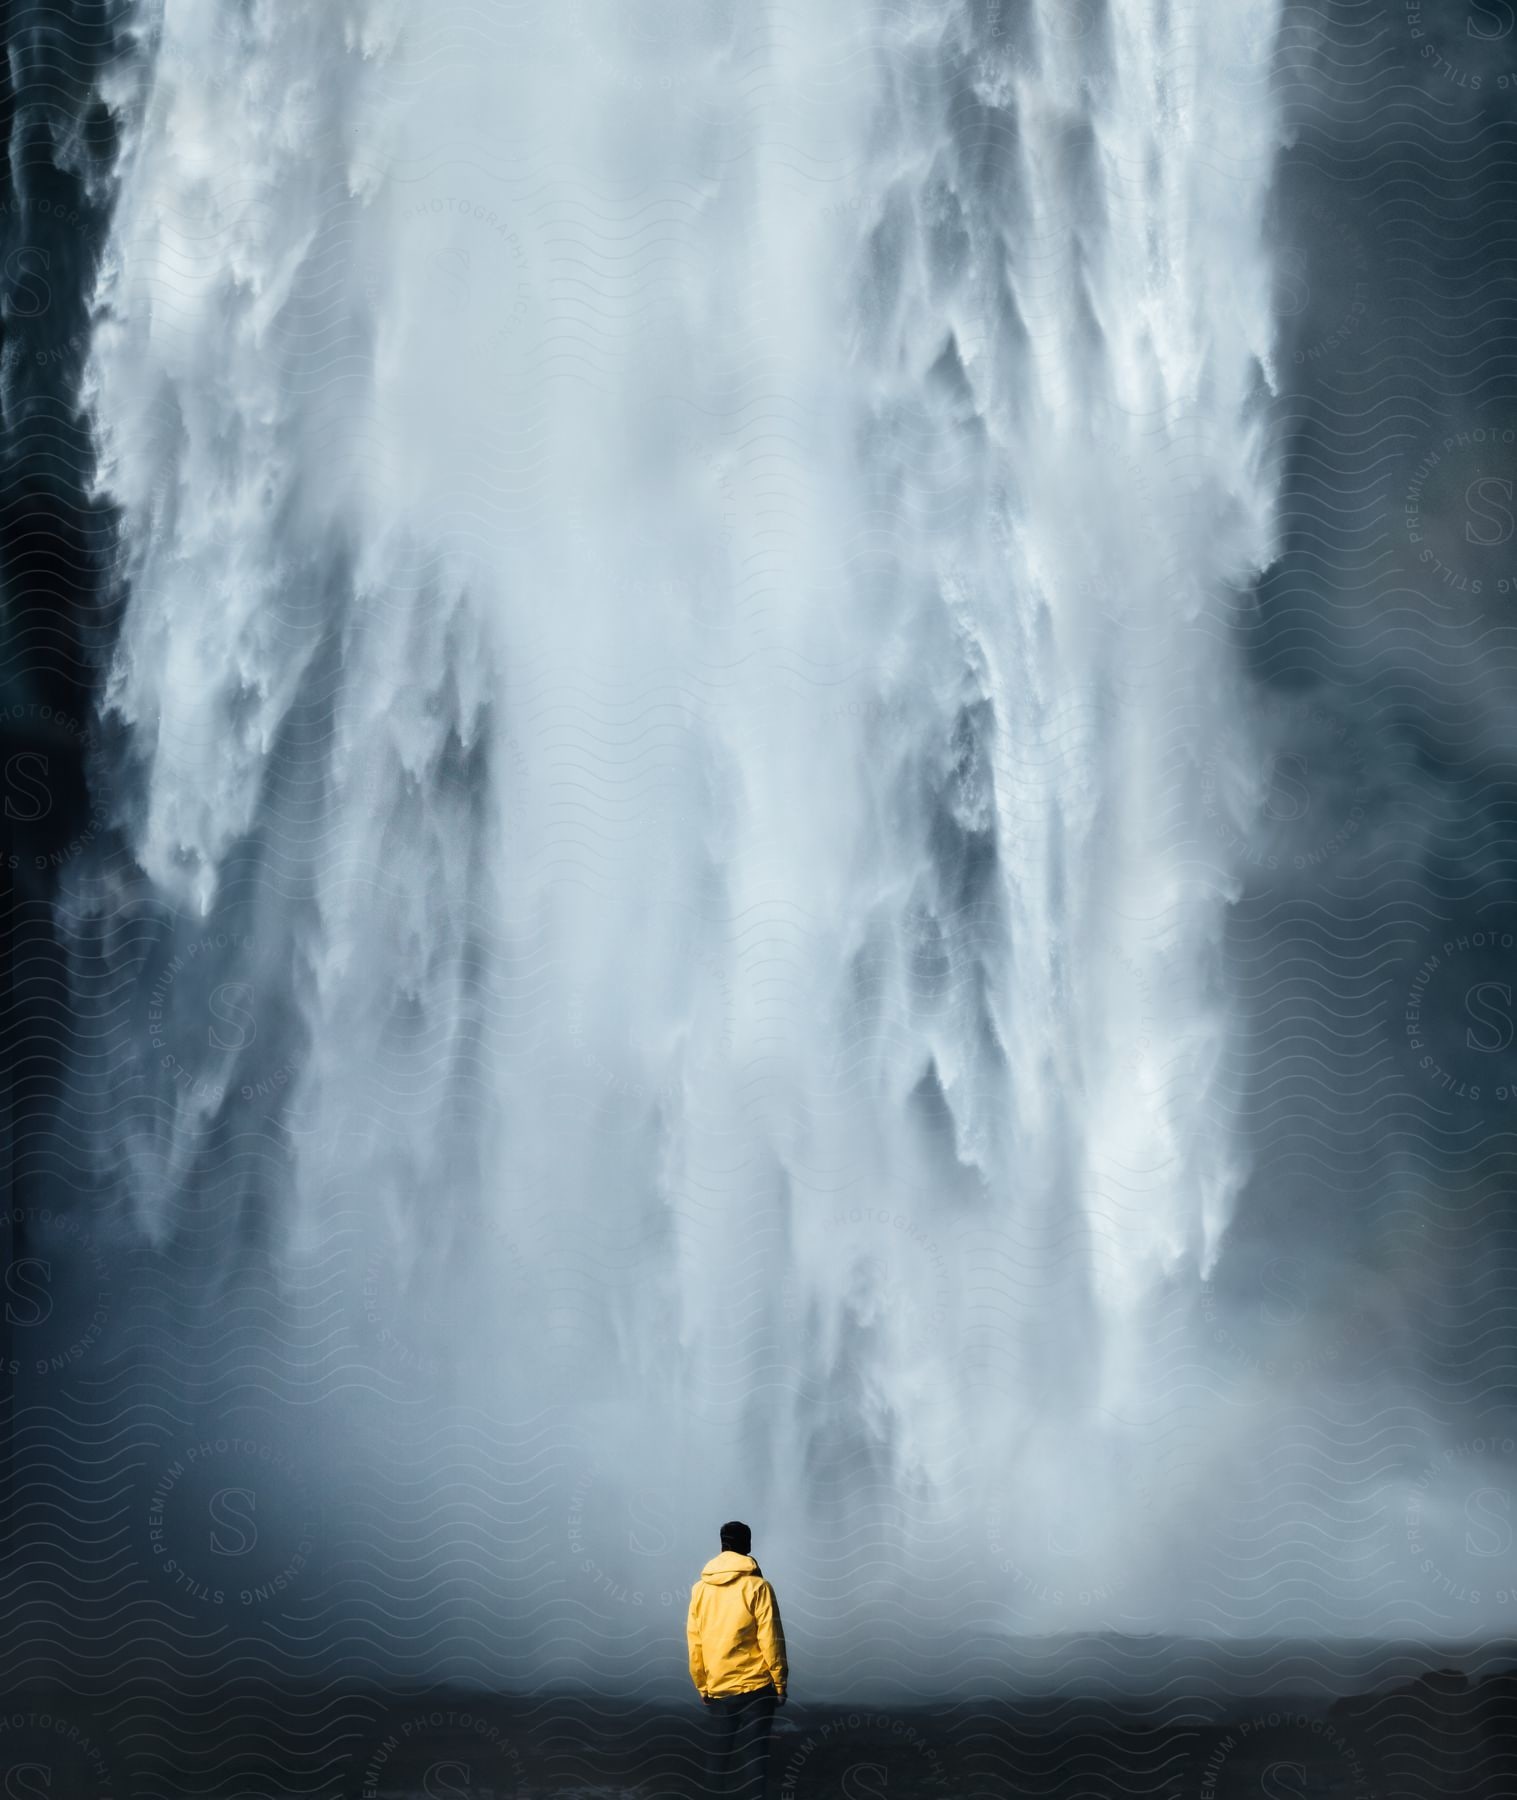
737,1662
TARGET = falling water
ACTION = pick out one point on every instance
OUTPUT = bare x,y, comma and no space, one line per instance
674,557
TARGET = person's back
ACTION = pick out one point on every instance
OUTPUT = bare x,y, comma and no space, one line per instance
737,1662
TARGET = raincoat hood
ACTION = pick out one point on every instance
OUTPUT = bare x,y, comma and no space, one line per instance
728,1567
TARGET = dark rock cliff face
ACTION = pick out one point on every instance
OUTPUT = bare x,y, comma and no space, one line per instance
58,140
1382,645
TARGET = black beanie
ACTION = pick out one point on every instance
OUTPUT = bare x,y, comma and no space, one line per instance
737,1536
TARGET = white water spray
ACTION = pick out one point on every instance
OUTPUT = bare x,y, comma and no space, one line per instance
673,558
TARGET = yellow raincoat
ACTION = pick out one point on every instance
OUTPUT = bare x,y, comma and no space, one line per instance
737,1643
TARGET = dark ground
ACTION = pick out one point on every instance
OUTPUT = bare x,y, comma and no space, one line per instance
1441,1737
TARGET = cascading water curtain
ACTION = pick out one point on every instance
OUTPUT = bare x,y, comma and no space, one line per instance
675,559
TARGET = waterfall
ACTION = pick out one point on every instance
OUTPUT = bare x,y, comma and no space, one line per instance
677,560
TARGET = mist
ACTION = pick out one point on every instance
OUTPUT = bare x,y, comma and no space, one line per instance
758,863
